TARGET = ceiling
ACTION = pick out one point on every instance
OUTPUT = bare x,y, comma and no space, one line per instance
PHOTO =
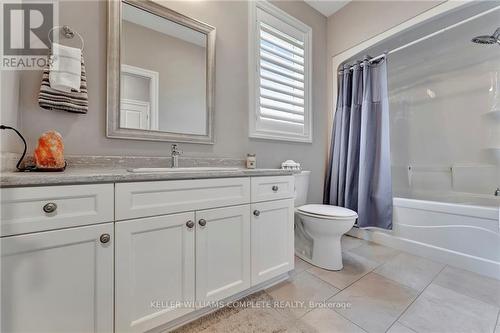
327,7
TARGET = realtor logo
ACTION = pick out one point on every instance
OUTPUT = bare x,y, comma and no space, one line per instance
26,28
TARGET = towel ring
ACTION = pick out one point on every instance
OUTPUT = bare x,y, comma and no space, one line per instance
68,33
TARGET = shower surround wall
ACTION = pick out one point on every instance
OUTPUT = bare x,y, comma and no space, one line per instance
445,114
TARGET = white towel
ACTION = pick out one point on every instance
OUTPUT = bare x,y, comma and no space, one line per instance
65,68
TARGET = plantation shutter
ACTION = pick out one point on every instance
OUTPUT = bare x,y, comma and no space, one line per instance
282,76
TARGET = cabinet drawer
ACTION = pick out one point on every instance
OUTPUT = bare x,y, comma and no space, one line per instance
30,209
144,199
272,188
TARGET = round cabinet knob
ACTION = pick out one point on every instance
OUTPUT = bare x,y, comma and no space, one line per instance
256,212
50,207
190,224
105,238
202,222
275,188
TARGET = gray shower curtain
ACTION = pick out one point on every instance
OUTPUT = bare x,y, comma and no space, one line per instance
359,170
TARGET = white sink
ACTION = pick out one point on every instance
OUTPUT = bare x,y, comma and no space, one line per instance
193,169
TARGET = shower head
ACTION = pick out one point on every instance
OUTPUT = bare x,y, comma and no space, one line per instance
493,39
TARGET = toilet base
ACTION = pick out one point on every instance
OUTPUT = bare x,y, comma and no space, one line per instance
326,254
324,234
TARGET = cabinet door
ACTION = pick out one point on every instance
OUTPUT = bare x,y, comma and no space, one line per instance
58,281
222,252
154,271
272,239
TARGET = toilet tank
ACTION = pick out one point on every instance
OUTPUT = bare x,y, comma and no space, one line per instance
301,187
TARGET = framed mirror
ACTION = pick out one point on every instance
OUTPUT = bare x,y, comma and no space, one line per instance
160,79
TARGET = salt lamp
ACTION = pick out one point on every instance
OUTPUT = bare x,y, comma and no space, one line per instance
49,154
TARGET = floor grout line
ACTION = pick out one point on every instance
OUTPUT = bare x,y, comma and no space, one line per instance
378,264
371,271
415,299
353,282
479,299
349,320
332,285
411,329
309,309
342,289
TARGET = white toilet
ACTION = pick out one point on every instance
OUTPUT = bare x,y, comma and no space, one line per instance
319,228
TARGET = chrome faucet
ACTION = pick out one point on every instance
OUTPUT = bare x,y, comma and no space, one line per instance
497,192
176,152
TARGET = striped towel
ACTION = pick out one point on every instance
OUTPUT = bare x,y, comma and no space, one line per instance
52,99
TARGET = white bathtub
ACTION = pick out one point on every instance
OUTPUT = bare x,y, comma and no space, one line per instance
458,229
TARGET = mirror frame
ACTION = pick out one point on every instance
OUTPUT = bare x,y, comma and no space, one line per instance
113,129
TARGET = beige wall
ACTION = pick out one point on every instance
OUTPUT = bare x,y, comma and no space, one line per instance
9,115
362,20
85,134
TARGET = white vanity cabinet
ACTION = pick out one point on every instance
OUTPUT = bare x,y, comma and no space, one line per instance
154,270
272,239
58,281
272,227
57,259
72,261
222,252
162,260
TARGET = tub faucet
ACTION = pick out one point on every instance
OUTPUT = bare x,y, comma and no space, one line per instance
176,152
497,192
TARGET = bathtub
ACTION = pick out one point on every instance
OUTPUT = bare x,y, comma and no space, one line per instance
458,229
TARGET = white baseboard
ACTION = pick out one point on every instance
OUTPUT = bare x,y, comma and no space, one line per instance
475,264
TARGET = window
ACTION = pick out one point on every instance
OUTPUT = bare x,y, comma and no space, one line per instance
280,75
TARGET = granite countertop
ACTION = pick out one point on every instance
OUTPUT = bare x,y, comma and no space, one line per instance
82,175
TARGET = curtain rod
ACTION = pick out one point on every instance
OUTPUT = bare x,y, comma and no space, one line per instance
421,39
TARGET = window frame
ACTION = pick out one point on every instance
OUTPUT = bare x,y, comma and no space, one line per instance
254,75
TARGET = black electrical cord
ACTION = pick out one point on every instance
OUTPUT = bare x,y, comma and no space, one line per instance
18,165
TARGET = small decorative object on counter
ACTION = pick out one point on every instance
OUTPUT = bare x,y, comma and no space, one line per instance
251,161
290,165
49,155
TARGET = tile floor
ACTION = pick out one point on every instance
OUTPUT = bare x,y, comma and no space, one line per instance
379,290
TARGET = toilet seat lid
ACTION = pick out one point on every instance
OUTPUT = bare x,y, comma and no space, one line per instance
327,210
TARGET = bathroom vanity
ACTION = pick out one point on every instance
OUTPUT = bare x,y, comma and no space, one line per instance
132,256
